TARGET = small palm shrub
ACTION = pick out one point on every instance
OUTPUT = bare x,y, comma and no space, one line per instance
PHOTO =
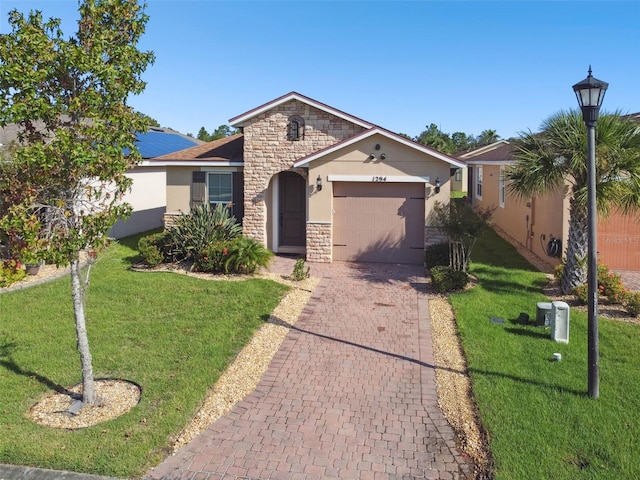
437,254
193,232
245,255
446,280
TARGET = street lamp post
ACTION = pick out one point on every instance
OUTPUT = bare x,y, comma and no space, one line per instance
590,93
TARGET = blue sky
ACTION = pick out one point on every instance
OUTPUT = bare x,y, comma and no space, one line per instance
464,65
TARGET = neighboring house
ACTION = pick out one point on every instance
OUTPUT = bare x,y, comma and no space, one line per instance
539,222
148,196
148,193
304,177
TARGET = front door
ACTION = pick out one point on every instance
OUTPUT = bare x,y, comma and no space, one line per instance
293,209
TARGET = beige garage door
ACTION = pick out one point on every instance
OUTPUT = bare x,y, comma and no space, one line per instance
378,222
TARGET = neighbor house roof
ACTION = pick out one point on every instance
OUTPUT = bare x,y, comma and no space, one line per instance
240,120
161,141
477,151
501,155
385,133
226,151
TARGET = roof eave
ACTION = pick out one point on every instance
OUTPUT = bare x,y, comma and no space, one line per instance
239,120
392,136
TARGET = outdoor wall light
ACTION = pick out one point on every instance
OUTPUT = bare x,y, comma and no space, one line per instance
319,183
383,156
438,184
372,156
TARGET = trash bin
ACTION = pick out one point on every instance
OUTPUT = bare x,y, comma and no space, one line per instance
543,314
560,322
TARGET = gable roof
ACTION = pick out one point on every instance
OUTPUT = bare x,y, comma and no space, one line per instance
226,151
502,155
240,120
480,150
385,133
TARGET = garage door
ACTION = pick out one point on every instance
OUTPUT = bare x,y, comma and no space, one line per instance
378,222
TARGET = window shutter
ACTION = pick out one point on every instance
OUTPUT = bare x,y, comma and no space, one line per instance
198,187
238,196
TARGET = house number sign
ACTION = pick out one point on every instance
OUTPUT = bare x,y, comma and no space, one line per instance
379,179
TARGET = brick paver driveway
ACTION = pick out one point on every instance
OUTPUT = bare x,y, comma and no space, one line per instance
350,394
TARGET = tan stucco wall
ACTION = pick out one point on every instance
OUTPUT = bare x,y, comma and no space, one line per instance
530,222
179,189
354,160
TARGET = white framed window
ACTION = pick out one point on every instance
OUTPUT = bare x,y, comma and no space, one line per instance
479,182
502,186
220,187
458,176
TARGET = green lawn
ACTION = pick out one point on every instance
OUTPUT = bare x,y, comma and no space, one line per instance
174,335
540,421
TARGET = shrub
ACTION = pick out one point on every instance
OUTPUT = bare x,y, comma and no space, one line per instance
581,293
299,271
11,271
610,285
437,255
632,303
153,248
193,232
213,257
446,280
246,255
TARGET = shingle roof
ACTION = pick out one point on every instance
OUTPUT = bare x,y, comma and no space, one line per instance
501,154
229,149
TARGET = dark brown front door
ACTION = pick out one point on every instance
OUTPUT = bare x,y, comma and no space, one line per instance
293,210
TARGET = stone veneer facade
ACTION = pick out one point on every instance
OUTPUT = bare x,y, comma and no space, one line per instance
267,152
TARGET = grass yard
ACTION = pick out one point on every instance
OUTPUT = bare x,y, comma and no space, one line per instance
173,335
540,421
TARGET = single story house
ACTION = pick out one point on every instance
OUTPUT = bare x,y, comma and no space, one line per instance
541,223
307,178
148,196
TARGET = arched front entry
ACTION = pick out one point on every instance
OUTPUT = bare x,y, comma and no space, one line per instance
291,211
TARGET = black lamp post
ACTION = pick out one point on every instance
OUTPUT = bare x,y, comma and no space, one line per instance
590,93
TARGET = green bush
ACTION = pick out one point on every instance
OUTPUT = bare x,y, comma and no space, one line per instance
213,257
11,271
193,232
581,292
299,270
446,280
437,255
153,248
245,255
610,285
632,303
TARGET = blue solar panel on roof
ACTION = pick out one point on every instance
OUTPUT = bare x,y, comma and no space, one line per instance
154,144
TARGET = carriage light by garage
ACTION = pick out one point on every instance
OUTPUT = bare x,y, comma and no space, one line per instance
438,184
319,183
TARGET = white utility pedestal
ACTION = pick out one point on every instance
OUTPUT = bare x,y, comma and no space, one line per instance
560,322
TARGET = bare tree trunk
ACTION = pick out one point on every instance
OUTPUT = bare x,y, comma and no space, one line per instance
77,292
575,271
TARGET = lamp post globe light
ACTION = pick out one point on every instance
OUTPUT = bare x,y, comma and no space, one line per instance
590,93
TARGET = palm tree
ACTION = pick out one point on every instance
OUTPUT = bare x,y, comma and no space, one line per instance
487,137
555,158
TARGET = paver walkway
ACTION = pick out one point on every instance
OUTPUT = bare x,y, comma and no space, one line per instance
350,394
